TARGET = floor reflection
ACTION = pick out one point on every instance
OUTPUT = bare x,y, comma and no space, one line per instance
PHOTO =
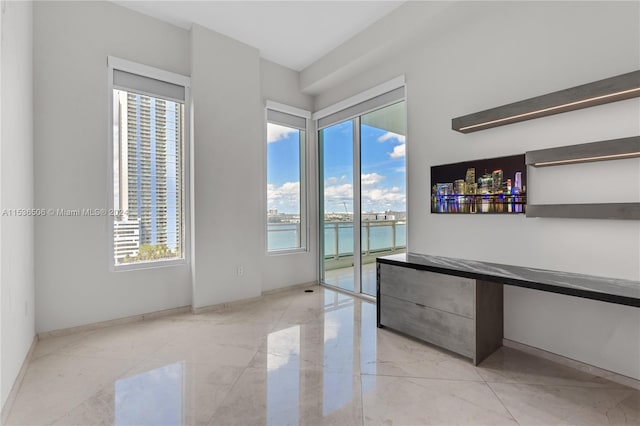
152,398
338,350
283,382
344,278
368,343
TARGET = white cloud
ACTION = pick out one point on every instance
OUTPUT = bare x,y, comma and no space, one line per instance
370,179
375,197
398,151
381,199
391,135
384,194
285,198
331,181
276,132
343,191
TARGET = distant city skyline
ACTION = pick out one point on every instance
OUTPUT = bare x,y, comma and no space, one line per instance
451,172
499,188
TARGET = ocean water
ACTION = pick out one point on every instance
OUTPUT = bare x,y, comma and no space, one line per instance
284,236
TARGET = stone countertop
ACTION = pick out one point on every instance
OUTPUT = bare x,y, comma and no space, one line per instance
620,291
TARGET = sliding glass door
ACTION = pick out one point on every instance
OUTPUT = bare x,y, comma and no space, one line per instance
363,187
337,204
382,189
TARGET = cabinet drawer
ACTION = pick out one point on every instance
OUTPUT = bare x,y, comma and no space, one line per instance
449,331
444,292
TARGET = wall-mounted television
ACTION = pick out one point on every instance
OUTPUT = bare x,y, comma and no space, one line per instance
489,186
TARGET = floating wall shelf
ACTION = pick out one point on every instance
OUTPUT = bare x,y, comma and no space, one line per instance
630,211
588,152
613,149
620,87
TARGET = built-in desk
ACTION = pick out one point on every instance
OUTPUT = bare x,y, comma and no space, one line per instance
458,304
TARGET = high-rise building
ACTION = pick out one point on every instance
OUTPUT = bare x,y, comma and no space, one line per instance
518,183
470,178
497,176
126,239
458,187
485,184
471,187
150,173
444,189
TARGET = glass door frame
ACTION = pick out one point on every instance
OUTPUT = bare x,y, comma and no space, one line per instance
357,238
357,208
365,97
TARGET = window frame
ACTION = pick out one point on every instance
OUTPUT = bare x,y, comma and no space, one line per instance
114,63
304,179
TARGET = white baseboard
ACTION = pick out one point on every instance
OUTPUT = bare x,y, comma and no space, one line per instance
581,366
290,287
117,321
17,382
218,306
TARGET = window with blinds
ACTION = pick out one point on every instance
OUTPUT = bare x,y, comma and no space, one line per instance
148,141
286,180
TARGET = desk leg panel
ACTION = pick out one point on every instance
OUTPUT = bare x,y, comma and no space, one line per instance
489,319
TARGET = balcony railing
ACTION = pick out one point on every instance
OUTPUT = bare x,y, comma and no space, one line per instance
376,236
283,236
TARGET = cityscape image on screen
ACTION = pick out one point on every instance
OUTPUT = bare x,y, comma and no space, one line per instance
495,185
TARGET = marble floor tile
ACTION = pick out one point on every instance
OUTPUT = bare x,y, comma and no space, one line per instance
288,397
153,393
315,345
297,358
128,341
55,384
412,401
48,345
222,354
392,354
508,365
569,405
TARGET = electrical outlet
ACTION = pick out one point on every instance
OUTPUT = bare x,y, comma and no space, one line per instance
240,271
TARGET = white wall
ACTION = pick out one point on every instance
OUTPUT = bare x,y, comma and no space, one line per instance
74,285
281,84
16,243
71,43
228,133
490,54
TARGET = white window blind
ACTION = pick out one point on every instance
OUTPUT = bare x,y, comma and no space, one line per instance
148,86
285,119
372,104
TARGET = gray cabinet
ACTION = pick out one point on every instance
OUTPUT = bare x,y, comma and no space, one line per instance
460,314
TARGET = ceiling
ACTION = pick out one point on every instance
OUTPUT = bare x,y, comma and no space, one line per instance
291,33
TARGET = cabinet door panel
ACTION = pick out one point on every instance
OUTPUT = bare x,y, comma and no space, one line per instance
444,292
449,331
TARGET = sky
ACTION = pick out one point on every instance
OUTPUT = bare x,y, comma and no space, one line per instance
382,169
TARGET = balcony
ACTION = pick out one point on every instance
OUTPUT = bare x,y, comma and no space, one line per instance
379,238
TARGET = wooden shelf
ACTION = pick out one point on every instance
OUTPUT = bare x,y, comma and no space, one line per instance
620,87
613,149
625,211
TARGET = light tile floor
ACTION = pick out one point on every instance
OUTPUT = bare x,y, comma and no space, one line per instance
298,358
343,278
